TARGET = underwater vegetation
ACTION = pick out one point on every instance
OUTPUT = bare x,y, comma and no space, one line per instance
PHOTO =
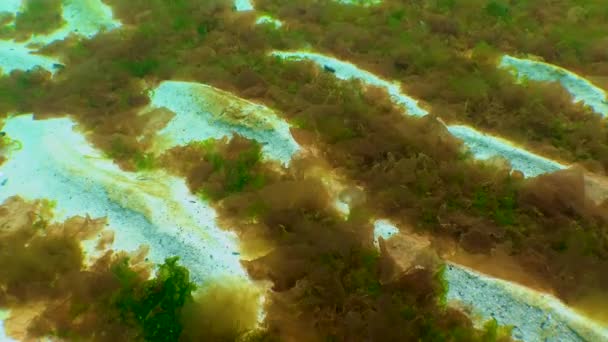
445,53
327,280
341,285
224,168
44,277
36,17
7,145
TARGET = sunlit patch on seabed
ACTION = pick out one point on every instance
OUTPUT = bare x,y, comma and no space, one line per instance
3,316
204,112
534,316
383,229
152,208
83,17
243,5
484,146
15,56
360,2
87,17
580,88
11,6
346,71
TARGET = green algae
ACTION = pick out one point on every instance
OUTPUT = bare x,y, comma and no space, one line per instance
499,10
500,207
364,278
140,68
156,304
123,151
144,161
226,168
113,298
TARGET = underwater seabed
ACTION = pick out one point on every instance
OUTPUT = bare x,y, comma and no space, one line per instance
56,163
139,209
482,145
534,316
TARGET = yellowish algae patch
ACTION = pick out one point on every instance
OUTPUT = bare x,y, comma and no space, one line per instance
596,187
218,303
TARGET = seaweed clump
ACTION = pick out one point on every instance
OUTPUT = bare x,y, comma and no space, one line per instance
328,280
36,17
417,174
154,305
449,53
222,167
45,282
